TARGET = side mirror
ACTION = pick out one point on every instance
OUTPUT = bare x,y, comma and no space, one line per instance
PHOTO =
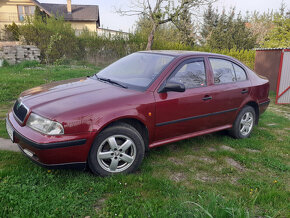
171,87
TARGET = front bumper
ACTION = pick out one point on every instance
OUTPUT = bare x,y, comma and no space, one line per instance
63,151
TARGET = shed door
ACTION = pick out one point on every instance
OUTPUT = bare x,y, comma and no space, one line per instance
283,87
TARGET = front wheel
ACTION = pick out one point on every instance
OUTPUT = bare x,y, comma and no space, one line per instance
118,149
244,123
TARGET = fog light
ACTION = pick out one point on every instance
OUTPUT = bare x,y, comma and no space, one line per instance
29,153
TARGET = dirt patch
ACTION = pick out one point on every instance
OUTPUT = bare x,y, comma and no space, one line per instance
202,158
235,164
176,161
252,150
211,149
227,148
203,177
177,177
207,159
100,204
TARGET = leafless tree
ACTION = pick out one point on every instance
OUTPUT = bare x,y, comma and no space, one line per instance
161,11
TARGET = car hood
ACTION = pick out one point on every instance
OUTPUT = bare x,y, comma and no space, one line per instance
71,96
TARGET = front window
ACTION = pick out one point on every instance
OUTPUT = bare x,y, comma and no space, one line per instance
25,10
192,75
137,70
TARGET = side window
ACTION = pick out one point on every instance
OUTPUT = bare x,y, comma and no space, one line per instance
192,75
240,73
223,71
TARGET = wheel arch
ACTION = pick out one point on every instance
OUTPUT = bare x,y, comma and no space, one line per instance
134,122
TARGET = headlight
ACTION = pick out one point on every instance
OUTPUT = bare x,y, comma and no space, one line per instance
44,125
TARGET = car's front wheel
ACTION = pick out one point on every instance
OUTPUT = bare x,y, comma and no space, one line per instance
244,123
118,149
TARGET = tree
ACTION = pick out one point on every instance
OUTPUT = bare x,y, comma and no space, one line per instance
210,21
161,12
279,36
230,32
185,26
260,24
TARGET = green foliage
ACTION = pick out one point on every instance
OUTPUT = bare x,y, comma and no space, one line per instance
210,21
230,32
11,32
100,49
55,38
279,36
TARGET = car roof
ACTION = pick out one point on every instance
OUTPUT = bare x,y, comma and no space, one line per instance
178,53
182,53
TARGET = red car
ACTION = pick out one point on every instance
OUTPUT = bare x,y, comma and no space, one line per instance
144,100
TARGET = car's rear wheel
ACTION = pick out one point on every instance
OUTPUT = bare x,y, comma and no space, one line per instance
244,123
118,149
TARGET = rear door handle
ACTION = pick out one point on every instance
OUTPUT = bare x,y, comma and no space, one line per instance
244,91
207,97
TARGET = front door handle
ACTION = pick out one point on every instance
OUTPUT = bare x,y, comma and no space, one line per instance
207,97
244,91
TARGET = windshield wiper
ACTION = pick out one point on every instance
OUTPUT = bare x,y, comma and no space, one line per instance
111,81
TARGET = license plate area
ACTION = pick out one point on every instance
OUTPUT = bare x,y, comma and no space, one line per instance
10,130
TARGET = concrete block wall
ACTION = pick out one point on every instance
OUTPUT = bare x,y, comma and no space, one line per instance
19,53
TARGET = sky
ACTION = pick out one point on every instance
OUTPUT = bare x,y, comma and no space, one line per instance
111,20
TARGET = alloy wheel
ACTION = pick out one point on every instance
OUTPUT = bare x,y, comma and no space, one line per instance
116,153
246,123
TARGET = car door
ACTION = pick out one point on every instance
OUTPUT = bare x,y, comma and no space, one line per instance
179,113
231,87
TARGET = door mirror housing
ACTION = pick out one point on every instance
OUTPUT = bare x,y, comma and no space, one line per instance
171,87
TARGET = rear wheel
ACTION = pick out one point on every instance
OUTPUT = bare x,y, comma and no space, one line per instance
118,149
244,123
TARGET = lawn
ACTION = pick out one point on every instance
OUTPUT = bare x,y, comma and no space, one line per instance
207,176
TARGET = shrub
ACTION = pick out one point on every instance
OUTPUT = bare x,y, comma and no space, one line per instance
11,32
55,38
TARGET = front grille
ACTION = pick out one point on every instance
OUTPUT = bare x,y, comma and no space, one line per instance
20,111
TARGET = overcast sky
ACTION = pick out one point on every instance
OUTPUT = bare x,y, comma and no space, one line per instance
109,19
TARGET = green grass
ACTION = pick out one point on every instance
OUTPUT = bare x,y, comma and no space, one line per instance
208,176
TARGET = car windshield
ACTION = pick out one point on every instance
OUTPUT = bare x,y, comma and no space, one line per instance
135,71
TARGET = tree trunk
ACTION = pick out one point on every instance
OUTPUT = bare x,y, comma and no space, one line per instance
151,37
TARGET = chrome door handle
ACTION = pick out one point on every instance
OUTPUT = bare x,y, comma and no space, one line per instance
205,98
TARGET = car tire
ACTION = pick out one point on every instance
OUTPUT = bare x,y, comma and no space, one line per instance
244,123
118,149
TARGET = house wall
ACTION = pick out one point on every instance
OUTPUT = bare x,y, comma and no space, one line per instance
9,11
79,26
9,14
108,33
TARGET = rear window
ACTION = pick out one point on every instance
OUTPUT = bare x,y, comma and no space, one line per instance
223,71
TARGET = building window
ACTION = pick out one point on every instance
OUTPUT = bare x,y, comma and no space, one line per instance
25,10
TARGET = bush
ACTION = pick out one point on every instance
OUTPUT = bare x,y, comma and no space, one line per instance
55,38
11,32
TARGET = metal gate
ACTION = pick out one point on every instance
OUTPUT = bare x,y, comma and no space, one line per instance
283,85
